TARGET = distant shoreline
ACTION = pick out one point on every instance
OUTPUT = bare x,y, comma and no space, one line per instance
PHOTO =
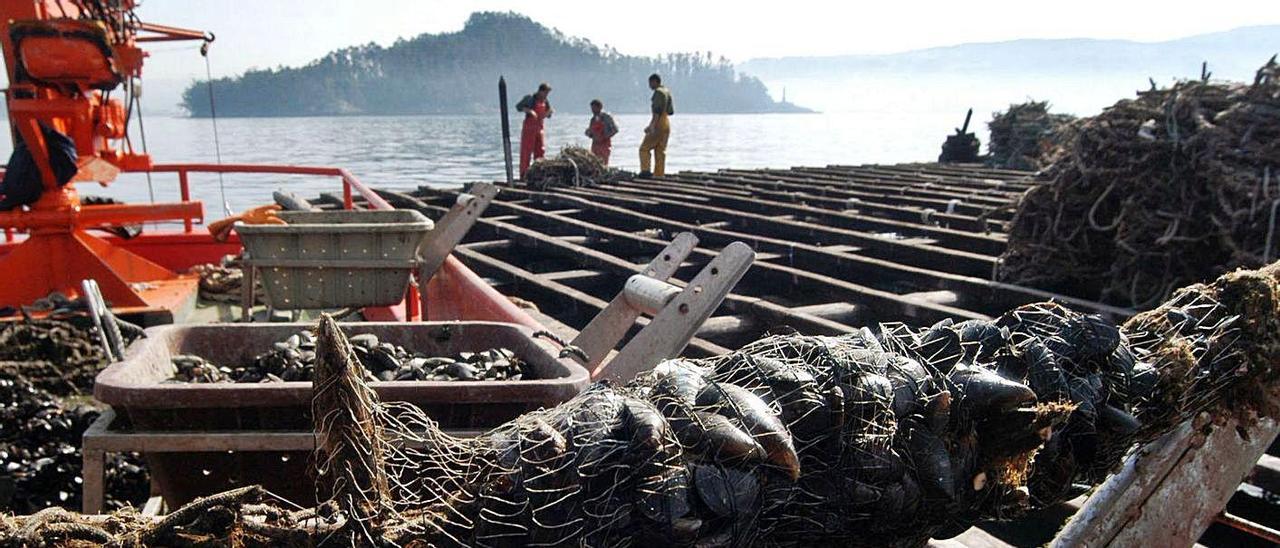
444,114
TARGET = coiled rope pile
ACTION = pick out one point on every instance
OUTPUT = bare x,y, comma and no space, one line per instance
1178,185
1024,135
573,167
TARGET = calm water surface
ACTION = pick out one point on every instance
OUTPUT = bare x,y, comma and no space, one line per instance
865,120
406,152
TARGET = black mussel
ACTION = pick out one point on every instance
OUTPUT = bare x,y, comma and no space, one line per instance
981,339
1087,398
461,371
382,359
878,462
932,462
911,385
1142,384
868,397
739,403
1043,374
717,438
981,390
727,492
643,423
863,338
1102,337
1118,421
364,340
940,348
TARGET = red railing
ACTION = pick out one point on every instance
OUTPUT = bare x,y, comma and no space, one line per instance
349,181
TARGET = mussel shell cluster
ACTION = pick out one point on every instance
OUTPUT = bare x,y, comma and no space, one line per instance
294,358
40,457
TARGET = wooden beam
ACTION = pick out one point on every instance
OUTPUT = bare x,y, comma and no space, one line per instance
541,285
1170,491
979,294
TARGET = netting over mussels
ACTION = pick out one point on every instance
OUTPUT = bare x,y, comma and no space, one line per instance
884,437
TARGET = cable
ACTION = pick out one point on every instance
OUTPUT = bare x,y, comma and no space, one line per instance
1271,229
142,131
213,115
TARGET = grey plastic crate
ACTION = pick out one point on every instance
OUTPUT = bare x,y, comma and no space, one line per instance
335,259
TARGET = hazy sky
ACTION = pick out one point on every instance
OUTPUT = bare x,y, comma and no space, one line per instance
267,33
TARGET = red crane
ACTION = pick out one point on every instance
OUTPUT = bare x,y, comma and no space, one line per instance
63,58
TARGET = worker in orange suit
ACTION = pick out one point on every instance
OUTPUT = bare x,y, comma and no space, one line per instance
658,130
536,108
601,130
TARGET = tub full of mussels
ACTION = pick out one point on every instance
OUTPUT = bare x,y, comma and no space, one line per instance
467,376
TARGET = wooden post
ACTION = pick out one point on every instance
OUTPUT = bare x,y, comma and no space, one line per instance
506,128
1170,491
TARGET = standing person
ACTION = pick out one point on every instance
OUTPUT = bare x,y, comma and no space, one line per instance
601,130
536,108
658,130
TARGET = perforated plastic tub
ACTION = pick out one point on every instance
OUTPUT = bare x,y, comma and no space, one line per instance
335,259
135,388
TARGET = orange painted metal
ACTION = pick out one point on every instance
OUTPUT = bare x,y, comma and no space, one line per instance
71,58
59,59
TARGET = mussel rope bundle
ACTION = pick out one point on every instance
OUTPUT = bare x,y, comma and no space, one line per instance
1175,186
573,167
877,438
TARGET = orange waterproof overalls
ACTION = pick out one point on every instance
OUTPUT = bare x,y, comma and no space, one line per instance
600,145
532,138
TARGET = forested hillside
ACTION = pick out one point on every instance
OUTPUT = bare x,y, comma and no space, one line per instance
454,73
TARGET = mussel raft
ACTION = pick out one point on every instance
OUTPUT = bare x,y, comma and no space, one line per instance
883,437
294,359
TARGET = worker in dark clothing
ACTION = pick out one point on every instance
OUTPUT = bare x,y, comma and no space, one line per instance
22,184
601,130
658,130
536,108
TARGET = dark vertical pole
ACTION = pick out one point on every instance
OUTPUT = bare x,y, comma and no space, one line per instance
965,129
506,127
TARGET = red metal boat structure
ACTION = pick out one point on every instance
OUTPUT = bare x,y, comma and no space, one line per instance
64,59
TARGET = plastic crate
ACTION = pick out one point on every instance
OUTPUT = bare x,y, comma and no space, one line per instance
336,259
136,389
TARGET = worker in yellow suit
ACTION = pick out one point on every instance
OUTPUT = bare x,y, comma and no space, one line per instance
658,130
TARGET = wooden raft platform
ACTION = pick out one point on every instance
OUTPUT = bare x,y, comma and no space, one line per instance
838,248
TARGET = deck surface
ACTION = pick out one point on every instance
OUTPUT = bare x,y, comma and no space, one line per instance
838,248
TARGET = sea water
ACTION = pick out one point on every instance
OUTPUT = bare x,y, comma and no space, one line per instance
864,120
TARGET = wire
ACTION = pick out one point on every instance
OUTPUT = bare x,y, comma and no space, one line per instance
142,131
213,115
1271,229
